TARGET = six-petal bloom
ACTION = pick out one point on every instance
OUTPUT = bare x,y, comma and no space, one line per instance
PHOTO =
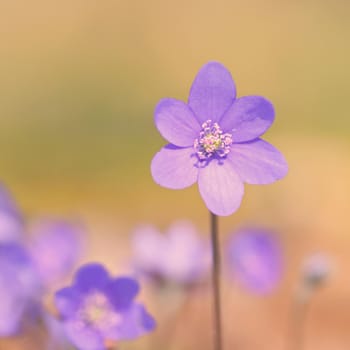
255,259
214,140
98,308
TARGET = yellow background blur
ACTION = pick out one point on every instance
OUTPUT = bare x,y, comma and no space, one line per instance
79,81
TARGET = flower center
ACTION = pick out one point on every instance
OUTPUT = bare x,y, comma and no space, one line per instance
212,141
97,311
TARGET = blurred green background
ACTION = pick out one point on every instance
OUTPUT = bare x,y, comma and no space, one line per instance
79,83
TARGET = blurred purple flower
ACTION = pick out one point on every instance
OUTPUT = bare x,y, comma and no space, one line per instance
25,274
27,270
215,141
11,220
181,256
98,308
55,249
20,289
254,259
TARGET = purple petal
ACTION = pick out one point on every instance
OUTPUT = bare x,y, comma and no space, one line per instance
257,162
83,337
180,256
147,245
20,289
55,249
12,306
255,259
122,292
248,118
212,92
56,338
11,220
176,122
67,301
186,259
14,255
11,321
15,261
91,277
220,187
11,227
7,202
136,322
174,167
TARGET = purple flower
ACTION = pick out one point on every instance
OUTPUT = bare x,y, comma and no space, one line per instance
215,141
254,259
55,249
26,273
20,289
178,257
98,308
11,221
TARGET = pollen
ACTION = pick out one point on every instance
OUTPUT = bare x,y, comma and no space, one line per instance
97,311
212,141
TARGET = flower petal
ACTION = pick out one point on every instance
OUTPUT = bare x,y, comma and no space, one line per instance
11,317
175,167
57,338
67,301
257,162
122,292
14,301
136,321
248,118
220,187
212,92
255,259
11,219
147,245
186,257
55,249
91,276
176,122
83,337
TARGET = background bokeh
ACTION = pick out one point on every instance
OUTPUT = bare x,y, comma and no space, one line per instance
79,83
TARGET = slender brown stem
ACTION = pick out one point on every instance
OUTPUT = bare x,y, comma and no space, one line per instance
216,281
297,323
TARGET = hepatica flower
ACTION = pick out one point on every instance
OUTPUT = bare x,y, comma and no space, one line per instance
254,258
178,257
98,308
214,140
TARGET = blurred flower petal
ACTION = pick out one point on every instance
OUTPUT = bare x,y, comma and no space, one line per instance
11,220
180,256
55,249
20,289
254,259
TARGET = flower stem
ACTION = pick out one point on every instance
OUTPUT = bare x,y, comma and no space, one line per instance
297,321
216,281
